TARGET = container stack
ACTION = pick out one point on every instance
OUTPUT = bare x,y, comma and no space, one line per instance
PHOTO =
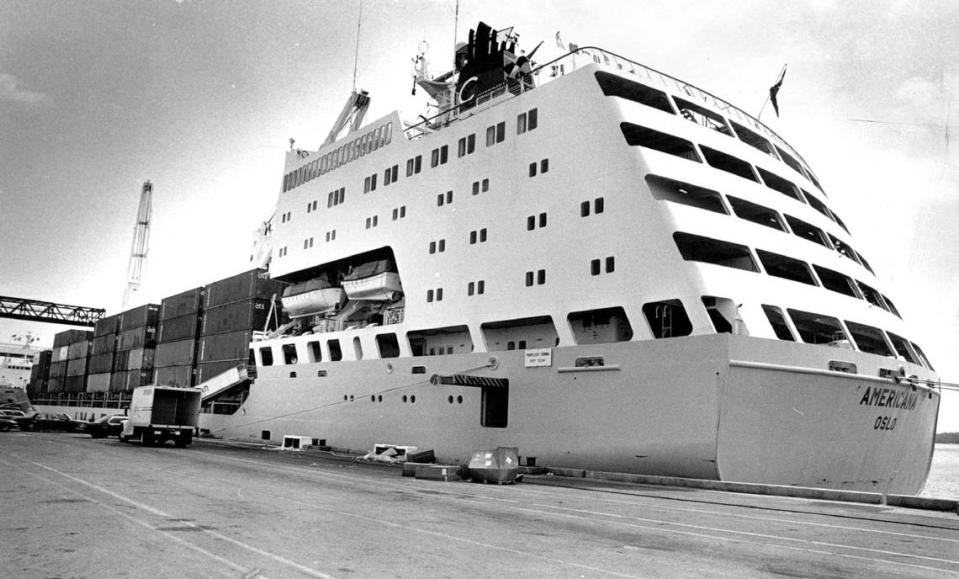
78,344
235,308
136,348
104,351
40,374
180,318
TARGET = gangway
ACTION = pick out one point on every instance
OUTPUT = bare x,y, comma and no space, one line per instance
220,383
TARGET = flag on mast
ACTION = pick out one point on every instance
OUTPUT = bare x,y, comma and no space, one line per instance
774,90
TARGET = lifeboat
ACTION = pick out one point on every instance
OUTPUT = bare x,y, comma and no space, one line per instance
373,281
313,297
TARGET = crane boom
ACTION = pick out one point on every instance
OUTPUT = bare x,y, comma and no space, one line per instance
141,242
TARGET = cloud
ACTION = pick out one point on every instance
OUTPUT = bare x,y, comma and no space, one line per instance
12,90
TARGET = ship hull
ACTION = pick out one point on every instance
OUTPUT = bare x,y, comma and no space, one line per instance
714,407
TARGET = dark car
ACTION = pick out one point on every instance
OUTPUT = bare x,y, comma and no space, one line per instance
105,426
44,421
7,423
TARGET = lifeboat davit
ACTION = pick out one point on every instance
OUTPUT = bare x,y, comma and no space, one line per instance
313,297
373,281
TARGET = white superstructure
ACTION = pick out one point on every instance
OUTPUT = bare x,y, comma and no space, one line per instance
612,269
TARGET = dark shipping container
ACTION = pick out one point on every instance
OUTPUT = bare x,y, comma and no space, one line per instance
70,336
146,315
142,337
104,344
180,328
77,367
180,376
182,353
106,326
235,317
75,383
79,349
231,346
101,363
182,304
255,283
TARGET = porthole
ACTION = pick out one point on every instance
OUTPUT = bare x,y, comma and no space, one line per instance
450,399
345,398
379,398
404,399
351,398
372,398
412,399
459,399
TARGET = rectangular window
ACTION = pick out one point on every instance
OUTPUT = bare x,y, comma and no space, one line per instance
542,220
541,277
835,281
729,164
617,86
490,136
869,339
444,154
532,119
439,294
500,132
266,356
778,322
584,209
442,245
432,247
530,223
610,264
289,354
817,328
521,124
434,157
638,136
807,231
786,267
461,147
715,251
756,213
482,235
316,355
532,169
777,183
485,185
336,354
599,205
429,296
544,166
480,287
665,189
702,116
472,237
753,140
529,279
594,267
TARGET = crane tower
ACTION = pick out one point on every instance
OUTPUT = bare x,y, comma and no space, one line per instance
141,241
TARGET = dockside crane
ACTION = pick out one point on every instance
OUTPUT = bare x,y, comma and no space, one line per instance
141,242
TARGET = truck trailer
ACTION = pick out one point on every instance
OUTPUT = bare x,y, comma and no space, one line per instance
161,413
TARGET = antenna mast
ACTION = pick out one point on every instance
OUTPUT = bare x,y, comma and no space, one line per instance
141,239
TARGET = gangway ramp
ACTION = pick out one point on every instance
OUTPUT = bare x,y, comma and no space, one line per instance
223,382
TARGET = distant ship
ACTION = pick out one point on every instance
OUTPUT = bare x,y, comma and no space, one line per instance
594,262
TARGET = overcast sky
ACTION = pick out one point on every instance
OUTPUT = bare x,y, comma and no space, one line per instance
201,97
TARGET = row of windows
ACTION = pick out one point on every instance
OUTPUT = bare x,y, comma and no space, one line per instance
617,86
286,217
336,197
814,328
362,145
308,243
637,135
467,145
543,167
708,250
444,198
531,221
665,189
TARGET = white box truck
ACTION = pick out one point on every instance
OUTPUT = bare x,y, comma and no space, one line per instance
161,413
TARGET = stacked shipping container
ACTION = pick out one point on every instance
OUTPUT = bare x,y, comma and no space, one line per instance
68,361
40,374
180,317
104,353
235,308
136,348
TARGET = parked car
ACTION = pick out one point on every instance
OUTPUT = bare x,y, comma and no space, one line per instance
105,426
44,421
7,423
12,414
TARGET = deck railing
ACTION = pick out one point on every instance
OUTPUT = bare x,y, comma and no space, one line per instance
557,67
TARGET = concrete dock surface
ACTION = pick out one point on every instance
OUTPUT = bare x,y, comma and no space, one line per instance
74,506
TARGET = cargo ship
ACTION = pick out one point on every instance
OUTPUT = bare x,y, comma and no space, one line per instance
592,261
